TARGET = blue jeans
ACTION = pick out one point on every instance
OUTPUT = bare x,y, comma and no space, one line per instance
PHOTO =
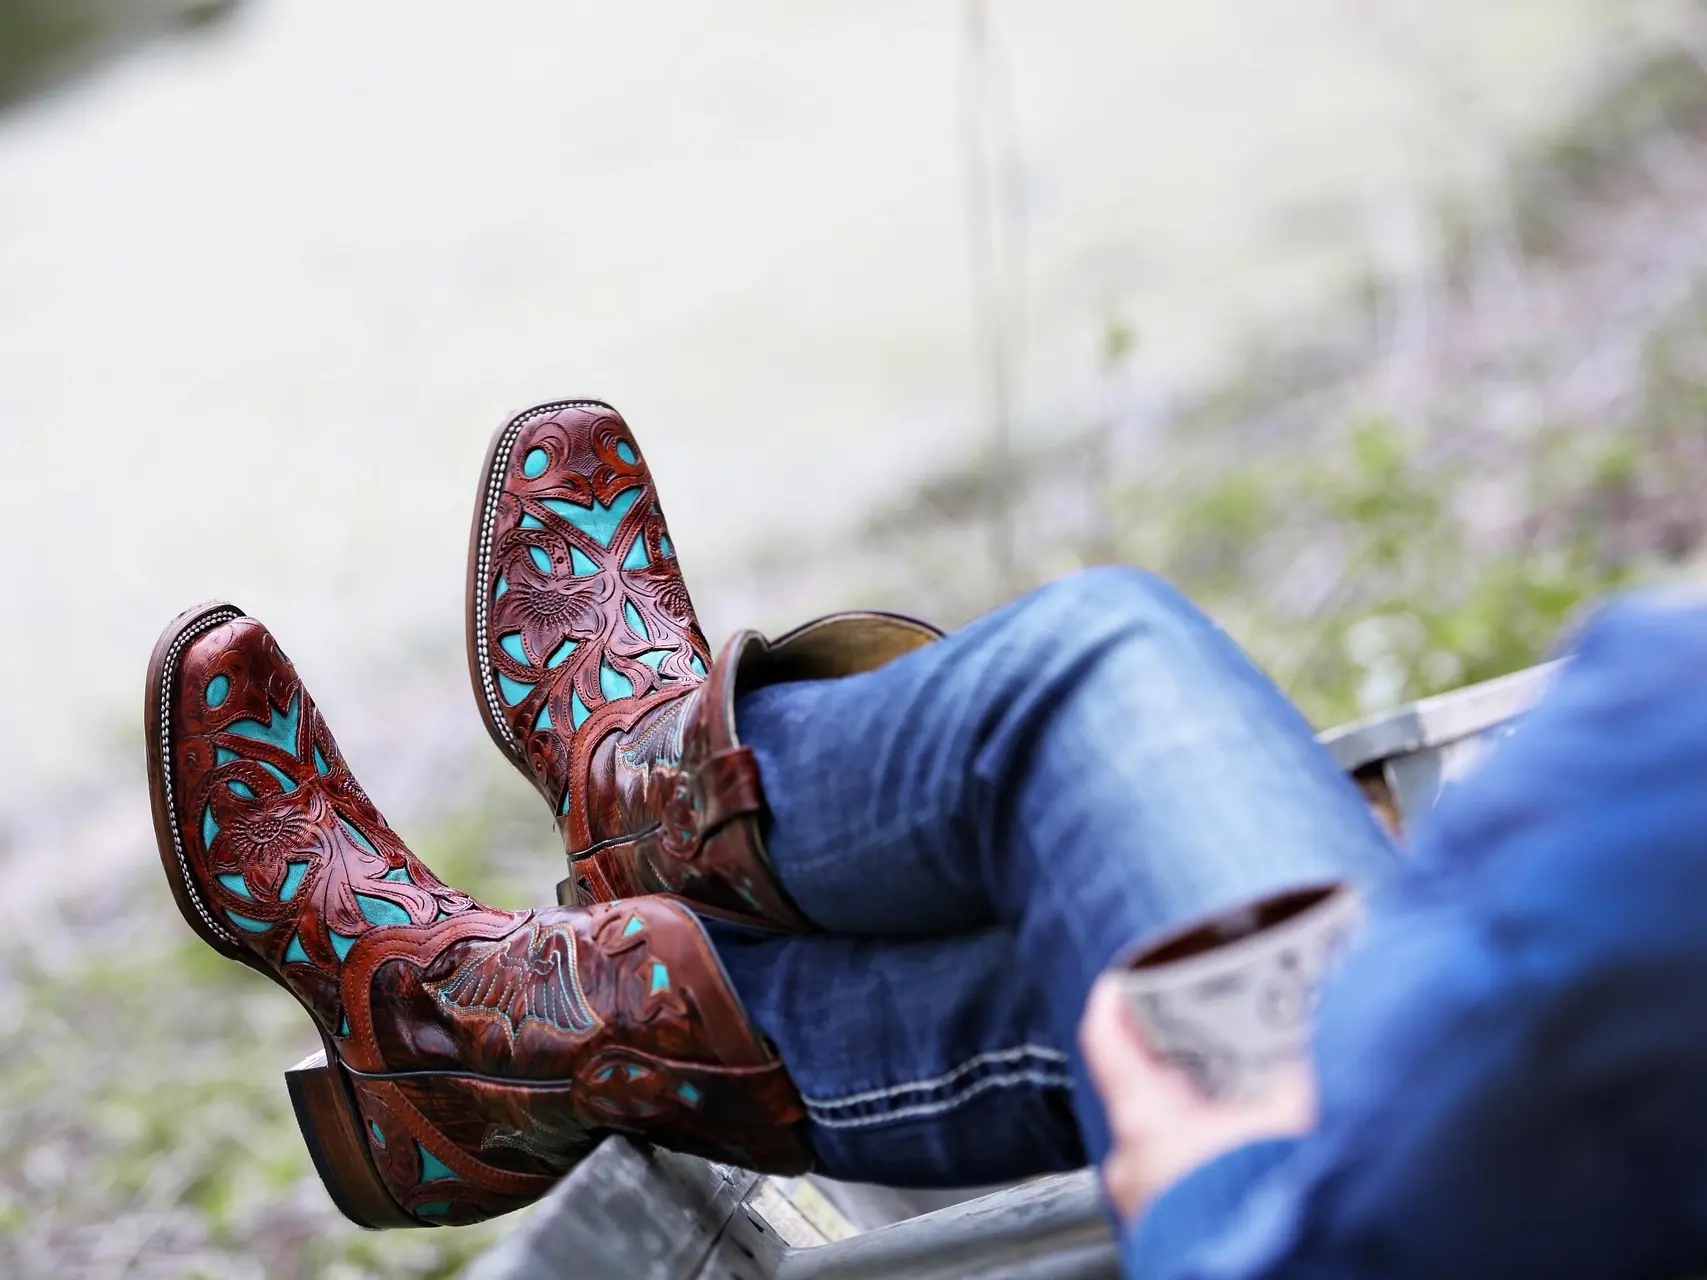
979,827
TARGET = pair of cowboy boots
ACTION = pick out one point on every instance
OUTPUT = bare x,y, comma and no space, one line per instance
472,1056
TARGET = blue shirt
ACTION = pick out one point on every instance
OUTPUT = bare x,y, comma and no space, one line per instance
1513,1067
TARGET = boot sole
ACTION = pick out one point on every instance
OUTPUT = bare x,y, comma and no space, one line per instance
478,610
320,1091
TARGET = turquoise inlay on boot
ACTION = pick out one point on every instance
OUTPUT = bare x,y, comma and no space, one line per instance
377,1132
433,1209
688,1094
665,547
432,1168
224,755
597,521
561,652
344,1025
210,828
660,977
341,943
581,564
296,953
635,925
636,557
697,665
541,560
287,784
511,643
543,719
513,690
535,463
531,521
578,713
379,911
654,657
236,885
613,684
280,733
636,623
563,809
218,689
294,873
500,588
625,451
398,875
320,765
240,789
247,925
358,837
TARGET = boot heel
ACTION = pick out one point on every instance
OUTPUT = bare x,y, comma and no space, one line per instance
332,1127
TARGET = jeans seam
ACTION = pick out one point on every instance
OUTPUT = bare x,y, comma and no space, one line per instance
1042,1079
936,1082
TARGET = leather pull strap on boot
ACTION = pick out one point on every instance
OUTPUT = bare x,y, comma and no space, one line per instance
471,1055
594,678
705,842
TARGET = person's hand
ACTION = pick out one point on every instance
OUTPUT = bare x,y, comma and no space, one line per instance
1161,1127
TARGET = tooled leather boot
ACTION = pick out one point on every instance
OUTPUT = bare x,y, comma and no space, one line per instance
594,678
472,1056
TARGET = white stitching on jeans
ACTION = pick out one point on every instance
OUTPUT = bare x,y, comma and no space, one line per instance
1039,1051
1042,1079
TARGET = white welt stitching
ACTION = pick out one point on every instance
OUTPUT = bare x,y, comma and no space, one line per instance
1037,1051
1043,1079
169,668
483,558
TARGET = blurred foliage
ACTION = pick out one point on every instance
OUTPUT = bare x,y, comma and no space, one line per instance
1393,563
37,35
1374,564
41,40
1358,583
1666,93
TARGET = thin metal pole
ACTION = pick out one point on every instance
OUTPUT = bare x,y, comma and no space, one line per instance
995,242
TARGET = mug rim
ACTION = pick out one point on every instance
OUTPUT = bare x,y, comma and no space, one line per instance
1299,906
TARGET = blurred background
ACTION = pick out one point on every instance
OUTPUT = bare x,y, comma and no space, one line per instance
1380,325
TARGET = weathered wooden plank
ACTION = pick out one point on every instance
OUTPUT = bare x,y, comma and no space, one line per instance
626,1212
1050,1229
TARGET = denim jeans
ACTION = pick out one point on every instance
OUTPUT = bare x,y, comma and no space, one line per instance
979,828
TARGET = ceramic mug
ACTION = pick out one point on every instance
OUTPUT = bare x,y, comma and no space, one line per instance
1232,998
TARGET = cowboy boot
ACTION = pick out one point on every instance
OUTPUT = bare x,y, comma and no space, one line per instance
472,1056
594,679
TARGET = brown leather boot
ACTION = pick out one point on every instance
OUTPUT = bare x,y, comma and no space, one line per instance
595,681
471,1055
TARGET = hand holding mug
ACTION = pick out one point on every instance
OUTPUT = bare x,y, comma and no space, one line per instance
1162,1125
1198,1040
